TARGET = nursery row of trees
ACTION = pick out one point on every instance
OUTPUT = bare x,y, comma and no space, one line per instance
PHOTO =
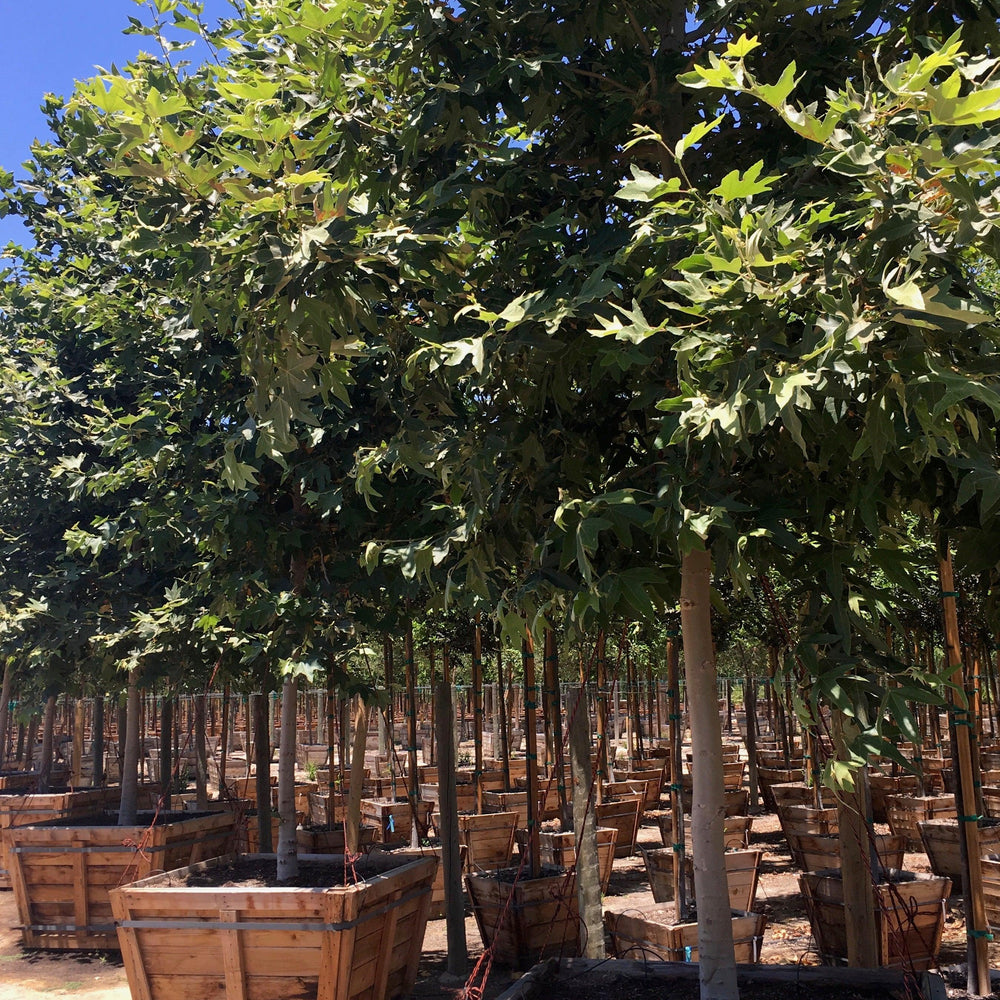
546,312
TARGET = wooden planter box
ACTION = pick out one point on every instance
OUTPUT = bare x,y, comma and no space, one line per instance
742,869
62,873
338,943
768,776
624,815
792,793
320,811
488,840
819,852
884,785
465,795
248,833
392,820
20,809
654,935
560,849
517,802
941,842
910,917
18,781
735,831
990,866
324,841
526,920
906,812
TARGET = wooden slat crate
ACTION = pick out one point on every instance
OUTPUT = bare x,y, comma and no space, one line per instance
323,841
560,849
393,820
735,830
910,918
742,869
465,795
527,920
339,943
884,785
62,873
624,815
20,809
654,935
488,840
940,838
905,812
816,852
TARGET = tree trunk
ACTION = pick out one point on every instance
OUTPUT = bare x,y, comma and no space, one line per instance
288,846
588,869
676,769
531,752
79,725
48,728
717,963
458,952
166,749
555,710
8,680
200,752
97,743
352,825
128,806
504,728
30,741
477,711
750,711
262,759
224,740
412,778
602,715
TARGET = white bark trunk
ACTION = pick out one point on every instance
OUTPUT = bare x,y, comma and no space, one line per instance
8,680
288,848
352,828
48,728
717,962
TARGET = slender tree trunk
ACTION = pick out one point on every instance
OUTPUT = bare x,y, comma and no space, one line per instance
262,759
458,952
288,846
128,806
166,748
200,752
352,826
717,963
433,683
858,860
97,743
674,729
30,741
79,725
224,740
531,751
588,873
412,778
602,715
8,680
750,710
504,726
48,729
477,711
555,707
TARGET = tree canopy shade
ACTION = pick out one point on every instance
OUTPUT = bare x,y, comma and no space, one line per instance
530,306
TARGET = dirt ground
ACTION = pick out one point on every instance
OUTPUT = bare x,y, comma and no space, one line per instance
26,975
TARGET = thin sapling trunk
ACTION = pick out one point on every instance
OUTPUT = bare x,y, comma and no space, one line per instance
288,847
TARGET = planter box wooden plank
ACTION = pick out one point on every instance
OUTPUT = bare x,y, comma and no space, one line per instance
559,849
940,838
884,785
735,830
392,820
340,943
62,874
906,812
821,851
526,920
655,935
488,839
624,815
17,809
910,917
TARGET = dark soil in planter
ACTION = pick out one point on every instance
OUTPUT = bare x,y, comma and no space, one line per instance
510,875
893,876
251,872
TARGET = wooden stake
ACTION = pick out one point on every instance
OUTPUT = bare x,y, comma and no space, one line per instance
977,927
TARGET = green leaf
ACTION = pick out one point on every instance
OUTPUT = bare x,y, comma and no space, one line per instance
736,185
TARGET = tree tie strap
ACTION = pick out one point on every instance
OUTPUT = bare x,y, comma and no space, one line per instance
980,934
947,593
970,819
678,848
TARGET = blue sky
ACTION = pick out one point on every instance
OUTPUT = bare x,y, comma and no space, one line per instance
45,45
